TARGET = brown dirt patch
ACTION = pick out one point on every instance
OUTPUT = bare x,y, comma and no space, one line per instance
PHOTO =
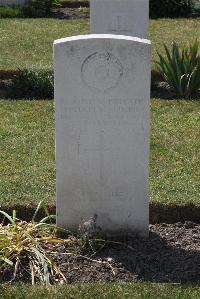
170,254
161,90
159,213
70,13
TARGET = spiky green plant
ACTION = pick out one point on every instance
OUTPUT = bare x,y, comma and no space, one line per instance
180,68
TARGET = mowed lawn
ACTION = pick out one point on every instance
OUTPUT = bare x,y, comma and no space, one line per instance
27,43
27,145
27,161
100,291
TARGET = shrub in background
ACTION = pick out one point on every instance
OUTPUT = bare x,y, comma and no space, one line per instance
72,3
37,8
170,8
11,12
32,84
158,8
181,69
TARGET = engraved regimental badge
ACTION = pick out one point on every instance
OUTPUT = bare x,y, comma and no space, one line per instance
101,71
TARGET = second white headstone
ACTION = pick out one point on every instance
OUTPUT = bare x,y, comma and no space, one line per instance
123,17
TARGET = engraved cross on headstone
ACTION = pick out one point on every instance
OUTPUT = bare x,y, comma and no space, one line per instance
118,25
101,148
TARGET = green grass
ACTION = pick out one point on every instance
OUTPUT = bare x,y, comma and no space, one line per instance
100,291
27,163
30,45
175,155
27,43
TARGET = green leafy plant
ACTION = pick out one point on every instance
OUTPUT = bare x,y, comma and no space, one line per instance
180,68
32,84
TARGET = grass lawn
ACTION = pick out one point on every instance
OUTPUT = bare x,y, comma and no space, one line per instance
28,42
27,163
27,166
100,291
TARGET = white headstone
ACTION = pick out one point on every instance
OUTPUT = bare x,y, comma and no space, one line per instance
127,17
102,92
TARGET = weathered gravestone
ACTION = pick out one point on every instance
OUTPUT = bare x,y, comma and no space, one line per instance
102,91
127,17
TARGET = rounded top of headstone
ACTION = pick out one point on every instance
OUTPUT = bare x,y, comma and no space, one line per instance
102,36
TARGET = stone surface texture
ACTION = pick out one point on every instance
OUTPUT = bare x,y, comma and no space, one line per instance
123,17
102,95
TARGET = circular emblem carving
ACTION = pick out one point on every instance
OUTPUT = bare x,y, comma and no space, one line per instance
101,71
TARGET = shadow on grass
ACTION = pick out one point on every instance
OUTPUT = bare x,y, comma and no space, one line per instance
27,84
160,90
38,85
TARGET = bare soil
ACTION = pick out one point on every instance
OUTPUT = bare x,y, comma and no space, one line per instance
161,90
170,254
158,213
69,13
